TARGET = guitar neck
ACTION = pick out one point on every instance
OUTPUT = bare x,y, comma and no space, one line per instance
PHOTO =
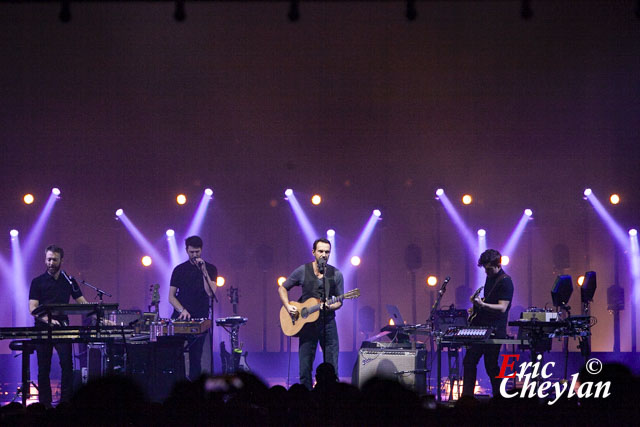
332,300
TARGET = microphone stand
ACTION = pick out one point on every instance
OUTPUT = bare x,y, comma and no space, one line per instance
100,294
212,298
432,318
322,268
436,304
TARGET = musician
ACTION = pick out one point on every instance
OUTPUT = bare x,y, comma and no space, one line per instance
492,311
192,285
311,277
54,287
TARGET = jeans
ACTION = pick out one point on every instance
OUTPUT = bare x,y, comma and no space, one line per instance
310,335
471,359
65,354
194,347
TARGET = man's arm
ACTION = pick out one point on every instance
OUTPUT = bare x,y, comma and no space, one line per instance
82,300
208,283
501,306
173,300
33,304
284,298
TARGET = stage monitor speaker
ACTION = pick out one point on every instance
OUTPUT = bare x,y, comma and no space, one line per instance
96,360
405,366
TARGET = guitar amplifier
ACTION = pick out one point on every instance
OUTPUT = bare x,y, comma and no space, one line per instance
408,367
125,317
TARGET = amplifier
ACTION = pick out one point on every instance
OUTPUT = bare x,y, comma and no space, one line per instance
125,317
405,366
97,361
540,316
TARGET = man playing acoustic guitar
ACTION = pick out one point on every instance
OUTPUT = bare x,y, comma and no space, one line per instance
493,311
317,279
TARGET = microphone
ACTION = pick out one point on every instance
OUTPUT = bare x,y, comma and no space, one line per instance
69,278
322,263
444,285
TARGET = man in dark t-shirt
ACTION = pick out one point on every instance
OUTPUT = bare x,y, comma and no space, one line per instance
54,287
492,311
311,277
192,285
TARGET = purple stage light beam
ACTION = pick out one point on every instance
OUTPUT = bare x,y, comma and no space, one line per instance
174,253
19,283
36,231
482,246
468,238
618,232
361,243
510,247
331,237
634,263
303,221
158,259
198,217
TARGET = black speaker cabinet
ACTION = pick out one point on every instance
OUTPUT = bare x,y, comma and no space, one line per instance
405,366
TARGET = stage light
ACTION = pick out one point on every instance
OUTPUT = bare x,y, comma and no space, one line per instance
467,199
220,281
432,281
146,260
391,322
281,280
355,260
331,232
587,192
55,191
181,199
170,233
28,198
614,199
288,192
504,260
439,192
377,213
316,199
482,232
119,212
208,192
528,212
633,232
580,280
14,233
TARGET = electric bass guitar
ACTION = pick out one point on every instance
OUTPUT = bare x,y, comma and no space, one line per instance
308,312
473,311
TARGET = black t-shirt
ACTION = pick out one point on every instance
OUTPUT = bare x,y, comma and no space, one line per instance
312,287
47,290
191,294
494,292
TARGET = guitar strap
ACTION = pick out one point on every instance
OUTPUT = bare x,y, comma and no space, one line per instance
498,280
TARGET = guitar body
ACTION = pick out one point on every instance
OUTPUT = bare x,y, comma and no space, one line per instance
475,309
292,324
308,312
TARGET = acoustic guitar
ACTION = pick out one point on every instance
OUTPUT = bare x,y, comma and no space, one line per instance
308,312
